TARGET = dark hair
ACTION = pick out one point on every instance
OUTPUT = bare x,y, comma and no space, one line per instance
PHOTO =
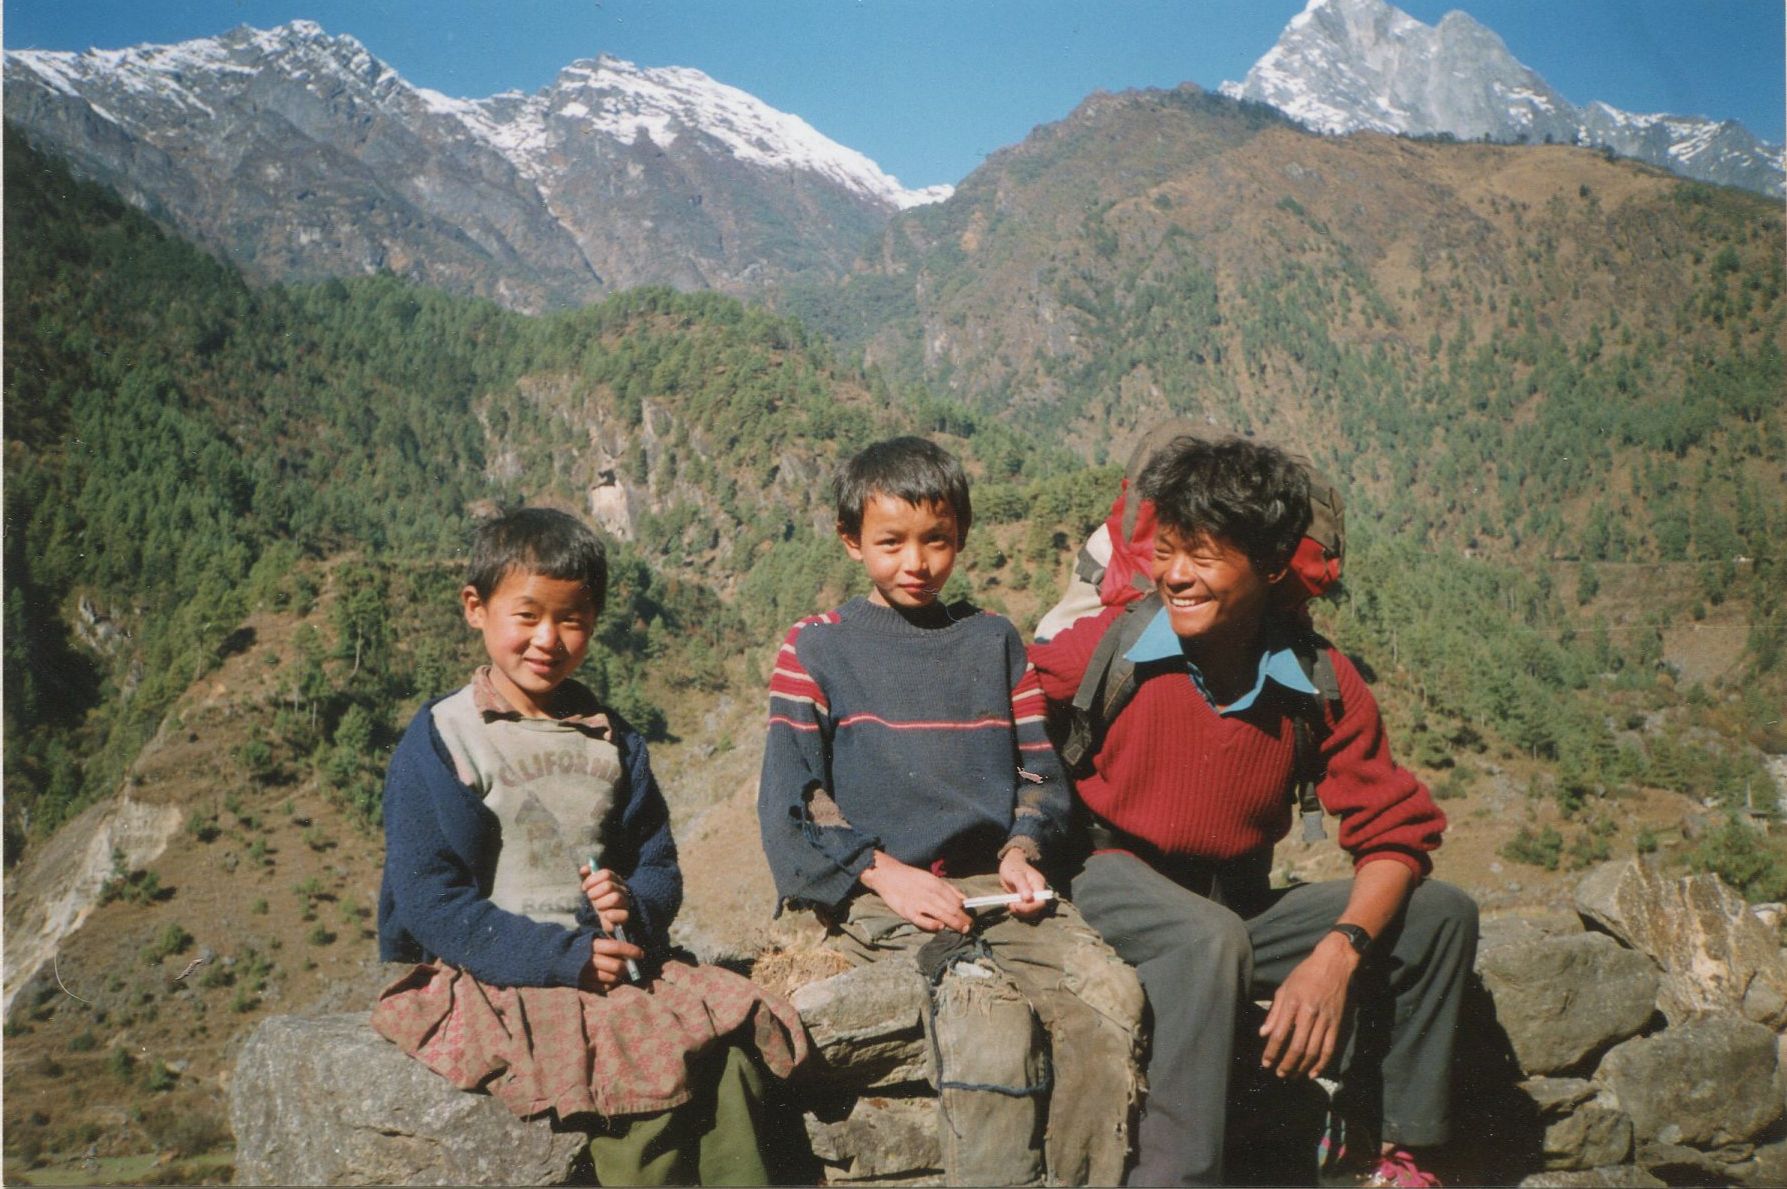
1248,493
909,469
540,541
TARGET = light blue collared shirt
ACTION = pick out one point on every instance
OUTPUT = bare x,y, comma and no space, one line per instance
1158,643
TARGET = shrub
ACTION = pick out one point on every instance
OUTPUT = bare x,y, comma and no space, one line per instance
1540,850
1743,858
27,1146
83,1042
161,1079
138,887
1587,849
1456,783
173,939
202,826
120,1065
185,1130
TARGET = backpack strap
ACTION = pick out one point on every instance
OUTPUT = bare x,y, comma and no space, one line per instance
1106,686
1087,568
1110,681
1310,728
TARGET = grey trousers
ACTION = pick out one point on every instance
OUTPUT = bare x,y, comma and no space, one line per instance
1038,1045
1202,963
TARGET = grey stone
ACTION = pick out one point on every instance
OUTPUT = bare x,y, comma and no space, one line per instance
1716,954
1709,1082
1620,1176
1529,924
1564,999
326,1101
1556,1096
880,1139
1592,1136
1767,1165
867,1026
1680,1165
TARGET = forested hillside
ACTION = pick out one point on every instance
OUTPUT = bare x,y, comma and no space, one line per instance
1537,368
1523,351
1524,396
183,450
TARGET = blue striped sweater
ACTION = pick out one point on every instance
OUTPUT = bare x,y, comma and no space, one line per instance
922,737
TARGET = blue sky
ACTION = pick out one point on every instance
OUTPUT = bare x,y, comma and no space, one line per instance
928,87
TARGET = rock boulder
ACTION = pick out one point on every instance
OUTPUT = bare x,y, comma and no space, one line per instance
325,1100
1704,1083
1716,954
1564,999
867,1026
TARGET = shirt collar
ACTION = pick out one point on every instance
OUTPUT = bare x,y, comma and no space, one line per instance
1279,665
572,704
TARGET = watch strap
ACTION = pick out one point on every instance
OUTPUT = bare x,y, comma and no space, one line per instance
1355,935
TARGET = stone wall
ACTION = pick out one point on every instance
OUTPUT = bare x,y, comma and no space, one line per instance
1637,1042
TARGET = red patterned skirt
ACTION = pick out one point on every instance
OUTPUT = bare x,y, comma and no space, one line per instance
561,1049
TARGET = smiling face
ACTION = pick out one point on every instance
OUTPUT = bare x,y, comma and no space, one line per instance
536,630
908,550
1214,597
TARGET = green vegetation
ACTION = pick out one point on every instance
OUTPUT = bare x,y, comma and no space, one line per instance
1741,855
183,450
173,939
1520,418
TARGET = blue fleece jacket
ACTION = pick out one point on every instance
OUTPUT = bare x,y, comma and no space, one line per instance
441,845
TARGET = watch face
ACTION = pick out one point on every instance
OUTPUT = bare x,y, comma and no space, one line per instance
1356,936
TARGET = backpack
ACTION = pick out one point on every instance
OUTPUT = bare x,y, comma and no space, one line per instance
1116,562
1116,558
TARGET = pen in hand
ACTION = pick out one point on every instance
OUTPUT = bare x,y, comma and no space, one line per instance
619,932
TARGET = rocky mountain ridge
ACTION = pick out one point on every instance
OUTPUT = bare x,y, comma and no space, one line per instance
1363,65
298,153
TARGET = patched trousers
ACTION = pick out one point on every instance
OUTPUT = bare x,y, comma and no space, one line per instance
1201,963
1034,1026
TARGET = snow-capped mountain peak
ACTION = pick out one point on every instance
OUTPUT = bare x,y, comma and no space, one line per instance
1350,65
307,155
607,96
1363,65
614,98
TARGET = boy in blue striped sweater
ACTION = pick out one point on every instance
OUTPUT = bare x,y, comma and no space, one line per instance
907,770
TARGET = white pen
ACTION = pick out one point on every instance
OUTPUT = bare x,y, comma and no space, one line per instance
618,932
1005,898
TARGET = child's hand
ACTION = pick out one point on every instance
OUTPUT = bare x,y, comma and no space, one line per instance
1016,873
928,902
608,895
607,967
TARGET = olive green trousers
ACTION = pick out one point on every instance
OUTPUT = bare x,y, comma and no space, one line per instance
710,1140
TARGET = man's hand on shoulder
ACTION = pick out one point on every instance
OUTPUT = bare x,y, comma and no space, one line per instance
928,902
1017,874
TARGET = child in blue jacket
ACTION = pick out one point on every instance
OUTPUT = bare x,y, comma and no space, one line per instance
531,875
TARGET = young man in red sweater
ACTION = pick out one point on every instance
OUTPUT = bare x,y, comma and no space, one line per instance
1189,789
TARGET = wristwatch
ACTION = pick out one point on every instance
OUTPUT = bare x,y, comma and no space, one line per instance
1355,936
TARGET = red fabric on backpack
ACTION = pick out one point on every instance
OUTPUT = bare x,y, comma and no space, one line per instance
1129,574
1312,571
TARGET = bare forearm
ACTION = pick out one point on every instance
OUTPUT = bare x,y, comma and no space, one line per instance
1380,889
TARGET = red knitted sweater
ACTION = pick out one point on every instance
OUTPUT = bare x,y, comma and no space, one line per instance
1196,784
